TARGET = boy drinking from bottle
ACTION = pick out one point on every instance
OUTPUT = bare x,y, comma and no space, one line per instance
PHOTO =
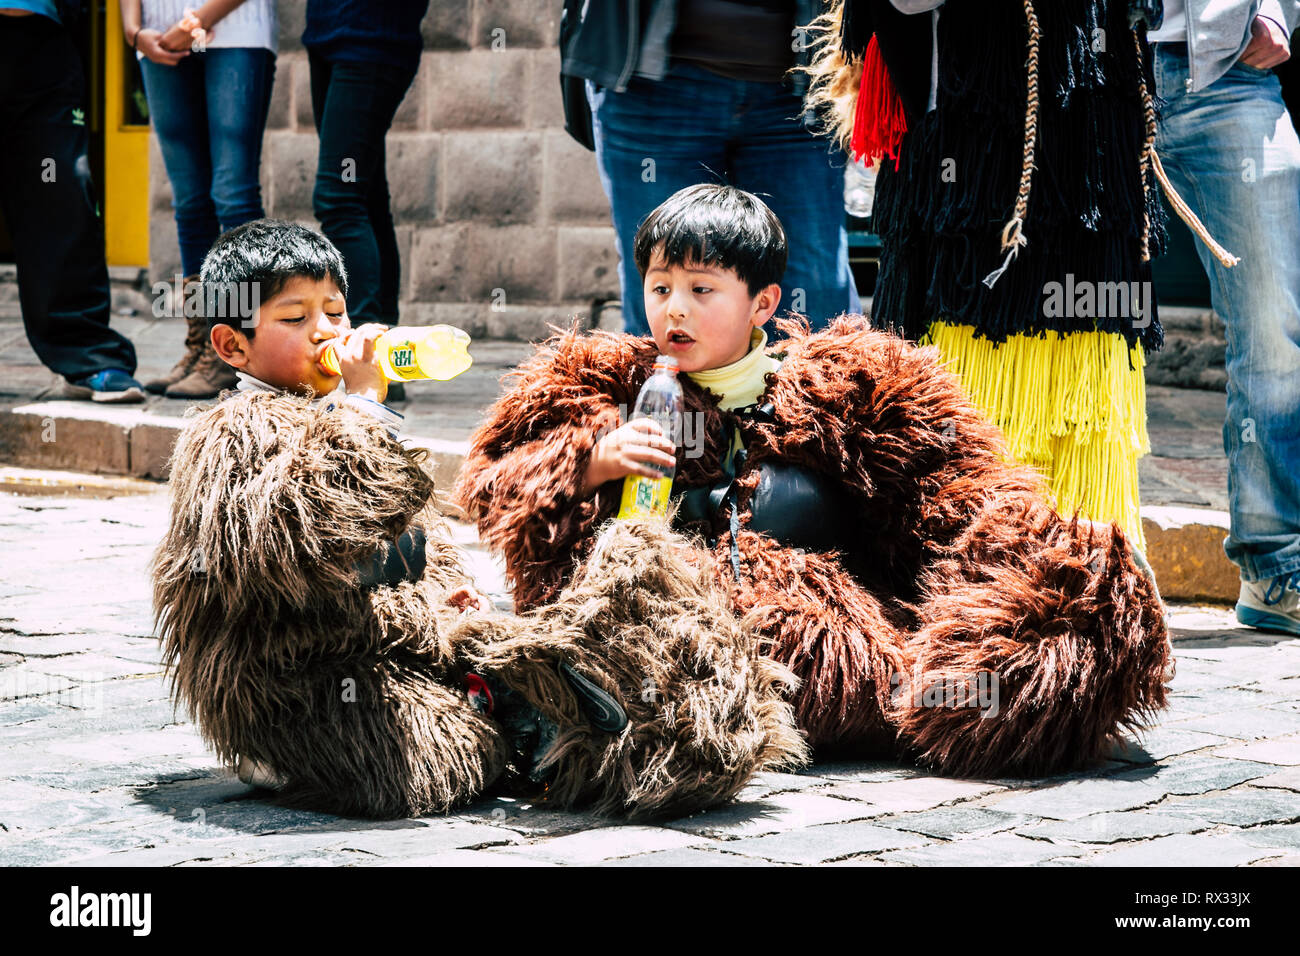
295,280
848,496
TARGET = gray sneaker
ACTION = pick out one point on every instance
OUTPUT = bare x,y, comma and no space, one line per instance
1272,604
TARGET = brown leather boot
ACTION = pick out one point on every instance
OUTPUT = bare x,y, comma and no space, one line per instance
209,376
196,336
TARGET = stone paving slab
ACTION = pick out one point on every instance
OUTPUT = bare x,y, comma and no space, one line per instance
821,844
1282,750
603,843
98,767
1186,850
1283,779
1115,827
956,823
1001,849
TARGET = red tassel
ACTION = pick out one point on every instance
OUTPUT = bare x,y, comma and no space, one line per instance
878,121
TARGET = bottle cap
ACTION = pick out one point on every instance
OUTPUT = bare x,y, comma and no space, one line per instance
666,361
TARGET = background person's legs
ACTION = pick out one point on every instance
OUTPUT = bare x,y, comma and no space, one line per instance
50,203
354,104
380,210
178,112
1232,151
238,92
797,175
653,139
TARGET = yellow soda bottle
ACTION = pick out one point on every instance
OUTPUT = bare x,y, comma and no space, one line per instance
415,353
660,399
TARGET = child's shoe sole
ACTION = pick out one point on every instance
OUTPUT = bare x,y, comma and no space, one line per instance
125,397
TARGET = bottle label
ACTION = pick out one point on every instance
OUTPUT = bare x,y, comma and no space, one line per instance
645,497
403,357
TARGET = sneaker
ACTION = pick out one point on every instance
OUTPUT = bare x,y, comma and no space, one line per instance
109,385
1272,604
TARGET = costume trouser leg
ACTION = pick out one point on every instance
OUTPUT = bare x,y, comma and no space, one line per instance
1232,152
693,126
647,624
832,633
1039,640
50,203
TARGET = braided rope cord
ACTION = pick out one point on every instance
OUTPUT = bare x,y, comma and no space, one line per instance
1151,162
1013,233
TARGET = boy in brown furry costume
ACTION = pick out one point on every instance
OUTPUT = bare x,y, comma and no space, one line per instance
850,497
316,621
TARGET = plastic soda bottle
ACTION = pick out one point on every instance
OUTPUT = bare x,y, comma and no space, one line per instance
660,400
409,354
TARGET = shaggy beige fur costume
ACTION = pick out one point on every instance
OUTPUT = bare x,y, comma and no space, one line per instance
356,697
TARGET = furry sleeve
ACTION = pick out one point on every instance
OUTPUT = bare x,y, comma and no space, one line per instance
523,476
886,418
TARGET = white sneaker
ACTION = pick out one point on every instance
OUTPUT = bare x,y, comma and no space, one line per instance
258,774
1272,604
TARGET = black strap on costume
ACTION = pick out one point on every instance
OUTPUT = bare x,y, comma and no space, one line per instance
394,562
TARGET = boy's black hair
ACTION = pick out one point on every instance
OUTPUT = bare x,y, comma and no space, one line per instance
715,225
252,263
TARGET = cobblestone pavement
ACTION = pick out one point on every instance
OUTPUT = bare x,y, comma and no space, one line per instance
96,768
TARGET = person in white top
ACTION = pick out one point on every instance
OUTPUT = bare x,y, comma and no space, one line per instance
1230,147
208,73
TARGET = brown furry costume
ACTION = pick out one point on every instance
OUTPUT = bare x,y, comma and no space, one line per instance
960,564
356,697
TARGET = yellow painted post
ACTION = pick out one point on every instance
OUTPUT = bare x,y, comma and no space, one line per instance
126,156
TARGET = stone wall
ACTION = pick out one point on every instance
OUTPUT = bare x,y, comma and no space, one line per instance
501,220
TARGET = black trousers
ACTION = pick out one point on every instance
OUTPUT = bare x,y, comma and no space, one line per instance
50,204
353,104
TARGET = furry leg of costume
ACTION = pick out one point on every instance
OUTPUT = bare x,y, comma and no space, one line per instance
1060,629
833,634
643,623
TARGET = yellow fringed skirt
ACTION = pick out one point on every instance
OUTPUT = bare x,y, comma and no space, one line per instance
1070,406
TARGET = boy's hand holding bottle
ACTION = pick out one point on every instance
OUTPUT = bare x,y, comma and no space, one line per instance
358,362
644,452
639,447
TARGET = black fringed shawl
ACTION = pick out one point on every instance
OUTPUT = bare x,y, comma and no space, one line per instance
1088,201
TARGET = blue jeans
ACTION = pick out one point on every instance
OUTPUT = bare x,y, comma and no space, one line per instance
209,111
694,126
354,103
1233,154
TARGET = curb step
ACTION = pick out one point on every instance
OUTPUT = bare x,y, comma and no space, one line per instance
125,440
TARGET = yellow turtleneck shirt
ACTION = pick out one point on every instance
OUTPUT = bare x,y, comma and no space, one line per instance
740,383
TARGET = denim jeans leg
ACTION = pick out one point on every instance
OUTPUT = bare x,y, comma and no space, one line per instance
178,112
1232,152
380,210
655,138
356,103
238,91
802,181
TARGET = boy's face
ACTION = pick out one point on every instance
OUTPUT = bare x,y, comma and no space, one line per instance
703,315
294,327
